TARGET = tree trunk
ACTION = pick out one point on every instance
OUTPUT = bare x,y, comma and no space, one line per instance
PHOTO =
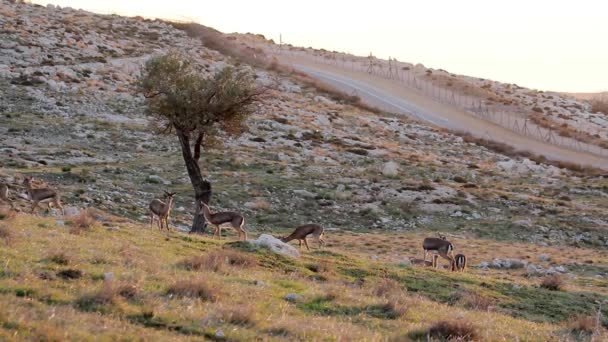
202,188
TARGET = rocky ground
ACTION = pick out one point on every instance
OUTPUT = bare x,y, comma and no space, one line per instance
70,116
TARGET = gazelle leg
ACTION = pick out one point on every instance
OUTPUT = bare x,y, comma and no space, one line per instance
306,243
425,253
151,219
34,205
300,244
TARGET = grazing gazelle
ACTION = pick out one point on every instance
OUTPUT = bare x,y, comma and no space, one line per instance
161,210
459,263
433,263
216,220
302,232
42,195
439,245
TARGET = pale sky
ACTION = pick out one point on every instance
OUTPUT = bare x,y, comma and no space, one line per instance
548,45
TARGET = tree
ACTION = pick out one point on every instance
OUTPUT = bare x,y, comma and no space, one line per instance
197,108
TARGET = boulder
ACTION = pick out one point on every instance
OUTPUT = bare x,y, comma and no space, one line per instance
275,245
390,169
293,297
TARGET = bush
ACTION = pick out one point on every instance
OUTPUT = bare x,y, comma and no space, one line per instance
460,330
60,258
194,289
387,287
69,273
216,261
553,282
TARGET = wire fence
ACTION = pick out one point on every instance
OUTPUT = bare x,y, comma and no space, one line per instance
404,74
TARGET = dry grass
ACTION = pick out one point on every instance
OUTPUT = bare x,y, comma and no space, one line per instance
194,289
454,330
217,261
83,221
474,301
553,282
387,287
238,315
59,257
7,214
6,234
583,325
599,105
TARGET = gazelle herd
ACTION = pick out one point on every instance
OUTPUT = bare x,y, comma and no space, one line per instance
161,211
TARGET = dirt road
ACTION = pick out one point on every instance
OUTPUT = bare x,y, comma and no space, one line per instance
388,95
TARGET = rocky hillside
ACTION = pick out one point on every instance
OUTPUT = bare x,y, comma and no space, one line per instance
70,116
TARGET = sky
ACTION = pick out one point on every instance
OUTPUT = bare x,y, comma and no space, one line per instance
546,45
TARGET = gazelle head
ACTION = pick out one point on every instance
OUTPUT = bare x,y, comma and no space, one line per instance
27,180
441,236
169,195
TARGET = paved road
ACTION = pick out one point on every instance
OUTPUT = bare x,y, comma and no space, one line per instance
387,95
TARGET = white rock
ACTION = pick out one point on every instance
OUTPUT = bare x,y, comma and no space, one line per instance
108,276
390,169
304,193
293,297
544,257
276,245
219,333
71,211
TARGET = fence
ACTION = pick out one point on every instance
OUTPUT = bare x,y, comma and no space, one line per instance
506,116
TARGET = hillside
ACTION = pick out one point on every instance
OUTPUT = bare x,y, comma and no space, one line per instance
379,183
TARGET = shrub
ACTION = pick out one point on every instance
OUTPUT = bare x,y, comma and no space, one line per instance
459,179
59,257
69,273
216,260
194,289
460,330
90,302
387,287
553,282
599,105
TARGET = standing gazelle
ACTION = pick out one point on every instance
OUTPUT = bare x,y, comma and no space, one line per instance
302,232
441,246
162,210
216,220
4,194
42,195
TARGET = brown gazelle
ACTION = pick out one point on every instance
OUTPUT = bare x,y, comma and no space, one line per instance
4,194
302,232
459,263
216,220
421,262
439,245
162,210
42,195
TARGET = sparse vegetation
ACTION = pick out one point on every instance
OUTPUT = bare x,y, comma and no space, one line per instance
552,282
454,330
197,288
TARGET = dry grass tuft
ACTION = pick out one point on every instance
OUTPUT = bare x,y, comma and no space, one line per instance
127,291
553,282
83,221
387,287
472,300
395,306
217,260
238,315
583,325
455,330
194,289
70,273
105,296
59,257
6,234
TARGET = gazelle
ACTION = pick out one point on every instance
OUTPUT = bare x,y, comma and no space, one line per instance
161,210
216,220
302,232
4,194
459,263
42,195
421,262
440,245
